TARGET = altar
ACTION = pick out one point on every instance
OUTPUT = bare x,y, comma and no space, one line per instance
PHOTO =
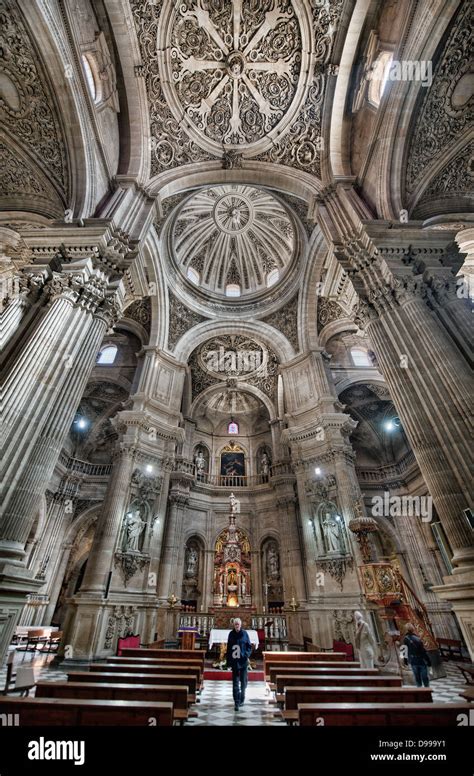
220,636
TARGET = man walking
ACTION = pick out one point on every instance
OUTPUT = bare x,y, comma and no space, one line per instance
417,656
239,650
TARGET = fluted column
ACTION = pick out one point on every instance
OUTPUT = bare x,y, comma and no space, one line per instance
170,573
465,240
429,385
36,433
100,561
291,555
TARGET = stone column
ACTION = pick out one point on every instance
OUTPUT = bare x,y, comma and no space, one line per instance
465,240
38,423
392,267
170,573
429,385
100,561
291,560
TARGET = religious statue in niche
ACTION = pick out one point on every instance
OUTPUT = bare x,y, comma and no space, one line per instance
263,463
332,528
201,462
273,561
191,561
133,527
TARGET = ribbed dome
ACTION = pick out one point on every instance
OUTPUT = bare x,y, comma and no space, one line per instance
233,235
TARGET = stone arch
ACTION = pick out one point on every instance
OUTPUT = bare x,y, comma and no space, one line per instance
135,156
258,329
240,386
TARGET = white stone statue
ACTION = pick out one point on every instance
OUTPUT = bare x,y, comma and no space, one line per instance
134,526
192,562
264,464
200,462
233,504
243,585
331,534
272,562
68,216
221,585
364,641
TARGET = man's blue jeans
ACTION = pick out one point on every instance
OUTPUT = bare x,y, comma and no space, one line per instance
239,683
421,675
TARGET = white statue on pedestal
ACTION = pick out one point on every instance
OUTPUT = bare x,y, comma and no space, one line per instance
364,641
331,533
134,526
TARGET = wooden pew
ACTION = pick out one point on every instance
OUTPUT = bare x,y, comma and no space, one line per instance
174,663
175,694
75,712
133,678
331,670
351,695
381,714
269,662
293,680
190,654
133,664
138,668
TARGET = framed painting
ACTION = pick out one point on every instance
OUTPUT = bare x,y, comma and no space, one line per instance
232,464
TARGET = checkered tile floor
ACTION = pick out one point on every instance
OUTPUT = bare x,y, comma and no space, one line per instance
216,707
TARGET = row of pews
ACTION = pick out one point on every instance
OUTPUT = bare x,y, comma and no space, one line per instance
147,687
324,689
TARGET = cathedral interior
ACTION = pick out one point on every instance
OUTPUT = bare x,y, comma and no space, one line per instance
237,251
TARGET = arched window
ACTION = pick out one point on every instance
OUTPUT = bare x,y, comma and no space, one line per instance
193,275
360,357
232,427
272,277
90,77
107,355
232,289
379,77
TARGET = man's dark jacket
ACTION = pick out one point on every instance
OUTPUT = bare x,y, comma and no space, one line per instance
417,654
238,638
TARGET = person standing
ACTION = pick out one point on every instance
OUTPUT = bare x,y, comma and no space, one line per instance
417,656
364,641
239,650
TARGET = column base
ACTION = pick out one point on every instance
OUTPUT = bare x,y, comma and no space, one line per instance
458,589
94,624
16,583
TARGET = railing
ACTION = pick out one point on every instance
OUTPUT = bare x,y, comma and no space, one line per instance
85,467
386,472
242,481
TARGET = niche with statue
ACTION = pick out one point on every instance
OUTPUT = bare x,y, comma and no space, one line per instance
192,570
273,584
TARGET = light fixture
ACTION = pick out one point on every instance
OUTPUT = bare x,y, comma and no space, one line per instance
392,424
81,423
317,471
149,468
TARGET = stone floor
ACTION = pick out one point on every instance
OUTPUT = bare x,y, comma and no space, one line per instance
216,707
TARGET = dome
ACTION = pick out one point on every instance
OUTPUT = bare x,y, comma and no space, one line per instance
233,239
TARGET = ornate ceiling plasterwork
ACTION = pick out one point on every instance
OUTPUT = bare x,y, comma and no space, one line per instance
231,359
447,108
26,106
233,77
181,319
233,234
286,320
454,182
233,71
